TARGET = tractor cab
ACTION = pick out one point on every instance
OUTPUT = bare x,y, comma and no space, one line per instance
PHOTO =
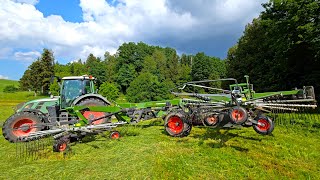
73,87
246,89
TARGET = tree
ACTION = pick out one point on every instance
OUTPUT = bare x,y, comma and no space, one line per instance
125,76
143,88
55,88
96,68
131,53
32,78
47,66
109,90
37,76
280,49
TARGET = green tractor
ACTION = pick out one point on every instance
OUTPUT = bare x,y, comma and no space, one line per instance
74,91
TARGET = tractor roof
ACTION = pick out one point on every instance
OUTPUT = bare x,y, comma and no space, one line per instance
78,77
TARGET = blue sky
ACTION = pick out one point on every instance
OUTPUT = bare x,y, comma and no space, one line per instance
74,28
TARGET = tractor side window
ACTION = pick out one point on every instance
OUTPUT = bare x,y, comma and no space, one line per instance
87,88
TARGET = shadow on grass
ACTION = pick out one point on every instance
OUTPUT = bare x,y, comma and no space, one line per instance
221,138
217,138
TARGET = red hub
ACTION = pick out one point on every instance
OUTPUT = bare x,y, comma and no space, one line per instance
237,114
23,127
62,147
91,115
212,119
175,124
115,135
263,125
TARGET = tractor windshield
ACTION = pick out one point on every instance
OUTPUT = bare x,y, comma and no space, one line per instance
71,89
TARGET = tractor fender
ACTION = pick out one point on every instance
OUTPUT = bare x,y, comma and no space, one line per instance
98,96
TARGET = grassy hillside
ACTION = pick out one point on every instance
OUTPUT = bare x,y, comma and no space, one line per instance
5,82
146,152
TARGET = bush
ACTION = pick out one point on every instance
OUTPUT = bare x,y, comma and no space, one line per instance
109,90
10,89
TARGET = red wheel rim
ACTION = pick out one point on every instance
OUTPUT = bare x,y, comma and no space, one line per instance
115,135
263,125
62,147
91,115
237,115
19,128
175,124
212,119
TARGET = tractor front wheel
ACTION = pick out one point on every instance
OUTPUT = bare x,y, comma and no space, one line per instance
265,125
177,124
20,124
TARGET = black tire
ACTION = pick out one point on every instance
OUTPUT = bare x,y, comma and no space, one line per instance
91,115
10,127
266,128
177,124
61,145
238,115
211,119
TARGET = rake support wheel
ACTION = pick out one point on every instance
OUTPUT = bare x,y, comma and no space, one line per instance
238,115
177,124
265,125
114,135
61,145
211,119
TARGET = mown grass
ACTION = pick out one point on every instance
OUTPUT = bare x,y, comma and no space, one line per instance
146,152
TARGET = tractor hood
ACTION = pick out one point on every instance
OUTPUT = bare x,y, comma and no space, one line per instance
38,104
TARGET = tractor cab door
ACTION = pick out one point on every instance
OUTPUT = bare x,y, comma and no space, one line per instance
73,88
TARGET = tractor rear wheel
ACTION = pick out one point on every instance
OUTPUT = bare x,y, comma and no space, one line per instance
20,124
177,124
265,126
90,115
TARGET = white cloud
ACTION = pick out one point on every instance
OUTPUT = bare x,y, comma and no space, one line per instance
3,77
27,56
106,26
33,2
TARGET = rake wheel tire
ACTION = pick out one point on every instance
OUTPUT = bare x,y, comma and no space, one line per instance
60,145
92,115
17,120
238,115
267,125
177,124
115,135
211,119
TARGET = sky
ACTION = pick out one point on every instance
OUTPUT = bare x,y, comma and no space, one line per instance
73,29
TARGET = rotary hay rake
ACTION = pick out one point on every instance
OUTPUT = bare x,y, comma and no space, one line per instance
214,107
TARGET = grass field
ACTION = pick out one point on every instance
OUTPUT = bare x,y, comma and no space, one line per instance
5,82
146,152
